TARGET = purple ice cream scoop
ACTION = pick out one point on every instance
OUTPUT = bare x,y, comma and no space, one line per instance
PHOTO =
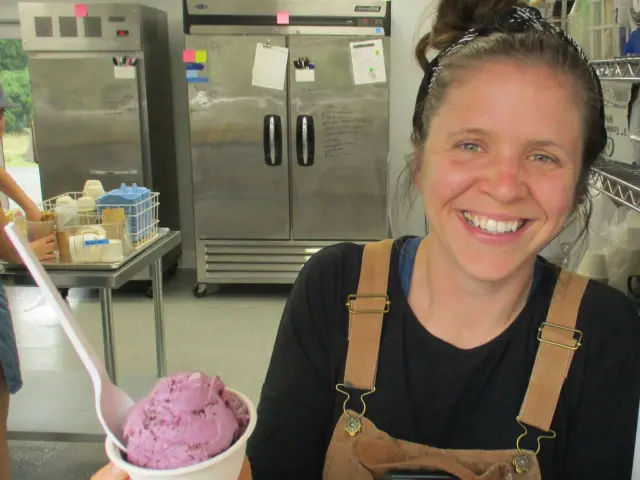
186,419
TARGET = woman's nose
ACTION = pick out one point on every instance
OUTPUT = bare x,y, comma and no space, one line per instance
503,180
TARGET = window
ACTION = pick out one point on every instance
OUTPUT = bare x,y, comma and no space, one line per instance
17,143
602,41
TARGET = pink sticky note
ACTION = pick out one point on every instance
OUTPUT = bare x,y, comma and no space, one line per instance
81,9
282,18
189,56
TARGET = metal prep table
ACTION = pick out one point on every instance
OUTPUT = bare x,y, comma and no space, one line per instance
108,280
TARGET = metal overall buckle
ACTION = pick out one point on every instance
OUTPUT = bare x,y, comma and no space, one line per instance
577,336
522,461
353,308
353,425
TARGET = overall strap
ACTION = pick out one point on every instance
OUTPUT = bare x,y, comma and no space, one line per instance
558,341
366,312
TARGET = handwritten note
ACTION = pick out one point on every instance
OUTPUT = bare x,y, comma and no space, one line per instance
80,9
270,66
188,56
367,60
282,18
343,129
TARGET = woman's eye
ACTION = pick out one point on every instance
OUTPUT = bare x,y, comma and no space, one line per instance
470,147
539,157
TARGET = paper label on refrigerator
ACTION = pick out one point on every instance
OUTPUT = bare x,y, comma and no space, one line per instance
367,61
188,56
619,146
305,75
270,66
194,66
200,56
80,9
282,18
124,72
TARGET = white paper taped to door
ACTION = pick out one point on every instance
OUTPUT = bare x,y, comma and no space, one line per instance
367,61
270,66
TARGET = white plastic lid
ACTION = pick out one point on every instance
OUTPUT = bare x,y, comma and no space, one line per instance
86,204
65,200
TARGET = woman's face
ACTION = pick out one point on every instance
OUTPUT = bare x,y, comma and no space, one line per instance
500,166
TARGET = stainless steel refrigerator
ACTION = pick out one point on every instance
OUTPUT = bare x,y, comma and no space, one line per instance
103,104
284,166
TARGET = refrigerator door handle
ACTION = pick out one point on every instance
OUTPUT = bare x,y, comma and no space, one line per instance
305,140
272,133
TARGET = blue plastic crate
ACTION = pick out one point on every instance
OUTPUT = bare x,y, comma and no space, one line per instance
137,204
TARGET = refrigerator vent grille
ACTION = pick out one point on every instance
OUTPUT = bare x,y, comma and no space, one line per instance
43,26
68,27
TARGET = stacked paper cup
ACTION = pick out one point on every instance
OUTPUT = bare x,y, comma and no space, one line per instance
594,265
93,188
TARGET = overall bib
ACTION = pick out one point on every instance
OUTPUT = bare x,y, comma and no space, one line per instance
360,451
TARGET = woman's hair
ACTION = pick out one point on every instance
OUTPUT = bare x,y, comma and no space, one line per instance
454,19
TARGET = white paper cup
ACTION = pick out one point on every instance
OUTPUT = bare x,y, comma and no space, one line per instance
594,265
93,188
226,466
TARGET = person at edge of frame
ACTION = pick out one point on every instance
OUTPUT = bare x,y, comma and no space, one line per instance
10,376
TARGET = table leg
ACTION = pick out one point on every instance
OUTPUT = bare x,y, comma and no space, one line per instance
158,310
106,304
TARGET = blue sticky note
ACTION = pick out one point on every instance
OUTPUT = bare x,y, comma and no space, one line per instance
192,73
378,30
194,66
197,79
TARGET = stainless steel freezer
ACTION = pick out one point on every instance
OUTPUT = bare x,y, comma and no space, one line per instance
280,173
103,104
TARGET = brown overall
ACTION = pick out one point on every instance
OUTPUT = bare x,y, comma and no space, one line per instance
359,451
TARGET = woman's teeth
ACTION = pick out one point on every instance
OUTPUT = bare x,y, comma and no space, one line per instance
490,225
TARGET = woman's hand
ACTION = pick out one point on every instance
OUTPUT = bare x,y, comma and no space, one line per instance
110,472
245,474
45,248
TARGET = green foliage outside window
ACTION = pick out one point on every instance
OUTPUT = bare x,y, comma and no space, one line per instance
14,78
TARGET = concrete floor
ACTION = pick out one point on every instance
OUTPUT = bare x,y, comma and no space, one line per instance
55,461
230,333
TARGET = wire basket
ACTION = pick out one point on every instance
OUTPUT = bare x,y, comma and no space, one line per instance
134,224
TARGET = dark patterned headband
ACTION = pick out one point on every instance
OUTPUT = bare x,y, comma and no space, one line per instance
511,20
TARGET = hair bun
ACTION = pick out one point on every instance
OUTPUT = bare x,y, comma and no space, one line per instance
454,18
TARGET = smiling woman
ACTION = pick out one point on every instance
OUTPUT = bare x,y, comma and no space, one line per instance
461,351
478,340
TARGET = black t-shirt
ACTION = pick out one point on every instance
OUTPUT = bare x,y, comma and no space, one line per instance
430,392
